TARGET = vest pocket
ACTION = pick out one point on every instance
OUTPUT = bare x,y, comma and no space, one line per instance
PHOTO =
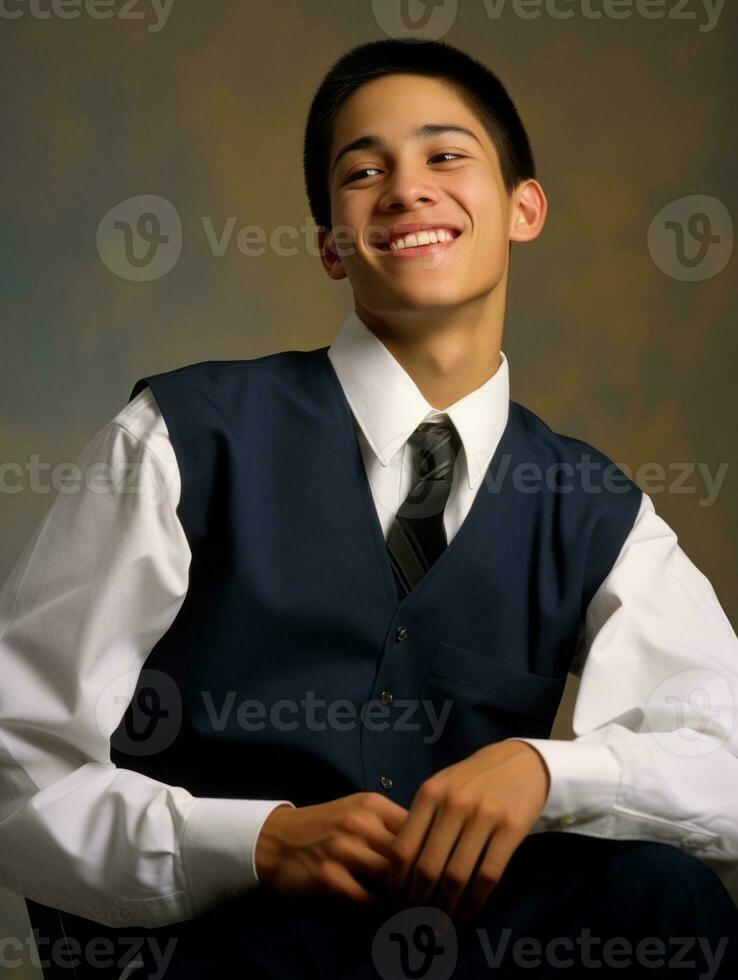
469,700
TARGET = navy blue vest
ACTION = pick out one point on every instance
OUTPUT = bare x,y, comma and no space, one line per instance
293,670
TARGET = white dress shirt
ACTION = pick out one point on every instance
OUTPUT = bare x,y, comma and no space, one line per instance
655,753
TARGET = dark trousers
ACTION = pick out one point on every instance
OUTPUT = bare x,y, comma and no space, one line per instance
566,906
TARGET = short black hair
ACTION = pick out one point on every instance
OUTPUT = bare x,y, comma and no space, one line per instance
475,83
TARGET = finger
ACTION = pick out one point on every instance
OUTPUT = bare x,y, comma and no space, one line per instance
355,854
438,847
381,840
410,840
336,879
501,847
392,815
466,856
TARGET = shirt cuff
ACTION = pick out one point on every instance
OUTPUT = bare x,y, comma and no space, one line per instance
219,845
585,780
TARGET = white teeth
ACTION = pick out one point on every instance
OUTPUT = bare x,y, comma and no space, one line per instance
421,238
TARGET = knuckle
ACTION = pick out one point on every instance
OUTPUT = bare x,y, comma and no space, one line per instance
515,820
354,822
338,846
489,811
430,791
458,801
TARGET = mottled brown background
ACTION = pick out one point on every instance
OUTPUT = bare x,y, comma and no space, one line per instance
625,116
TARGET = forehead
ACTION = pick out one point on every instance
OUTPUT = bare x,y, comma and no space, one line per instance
393,105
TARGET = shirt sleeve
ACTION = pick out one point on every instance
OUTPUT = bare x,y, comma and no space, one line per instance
655,752
98,584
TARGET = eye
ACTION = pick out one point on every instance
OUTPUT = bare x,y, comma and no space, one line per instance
456,156
358,174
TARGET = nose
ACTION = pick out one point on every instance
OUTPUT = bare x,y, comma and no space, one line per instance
409,187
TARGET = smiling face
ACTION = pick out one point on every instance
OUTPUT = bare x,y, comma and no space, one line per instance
385,177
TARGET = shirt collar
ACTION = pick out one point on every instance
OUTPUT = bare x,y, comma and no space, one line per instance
388,405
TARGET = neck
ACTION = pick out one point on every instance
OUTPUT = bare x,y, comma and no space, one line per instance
447,353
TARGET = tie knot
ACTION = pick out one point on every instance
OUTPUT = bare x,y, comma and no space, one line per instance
437,445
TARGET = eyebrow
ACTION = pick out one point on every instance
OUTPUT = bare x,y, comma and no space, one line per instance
371,141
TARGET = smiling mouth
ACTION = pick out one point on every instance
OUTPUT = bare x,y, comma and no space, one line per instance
386,248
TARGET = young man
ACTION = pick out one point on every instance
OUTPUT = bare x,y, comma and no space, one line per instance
348,622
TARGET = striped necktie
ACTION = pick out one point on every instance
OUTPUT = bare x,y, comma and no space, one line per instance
417,536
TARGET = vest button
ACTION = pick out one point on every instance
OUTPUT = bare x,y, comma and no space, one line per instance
401,633
386,782
386,697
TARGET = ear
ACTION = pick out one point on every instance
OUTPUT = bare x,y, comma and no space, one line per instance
329,256
528,211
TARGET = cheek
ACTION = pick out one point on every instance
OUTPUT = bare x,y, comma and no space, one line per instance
484,207
488,208
349,219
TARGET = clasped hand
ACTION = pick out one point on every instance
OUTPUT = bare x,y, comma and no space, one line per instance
449,849
464,825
